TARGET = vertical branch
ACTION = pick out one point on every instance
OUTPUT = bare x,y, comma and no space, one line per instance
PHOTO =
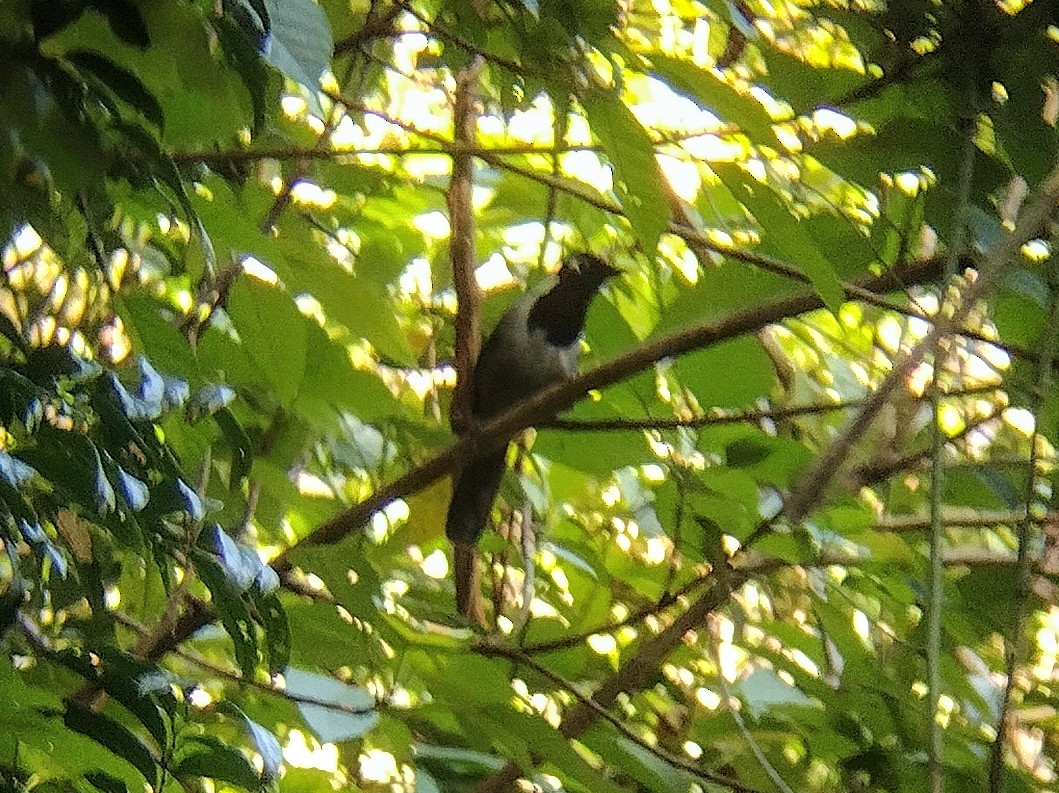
1024,572
464,259
462,252
936,589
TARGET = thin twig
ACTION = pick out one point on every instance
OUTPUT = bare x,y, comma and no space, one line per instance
740,723
667,758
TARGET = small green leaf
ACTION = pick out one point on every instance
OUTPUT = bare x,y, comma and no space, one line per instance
273,619
209,756
106,782
746,452
637,178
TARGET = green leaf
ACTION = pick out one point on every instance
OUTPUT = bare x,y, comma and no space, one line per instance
202,100
332,384
274,621
273,332
235,617
72,463
360,304
637,178
989,595
124,83
328,711
806,87
732,374
716,96
637,762
106,782
784,234
209,756
115,737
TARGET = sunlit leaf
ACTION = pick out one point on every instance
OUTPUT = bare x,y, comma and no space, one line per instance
637,179
335,711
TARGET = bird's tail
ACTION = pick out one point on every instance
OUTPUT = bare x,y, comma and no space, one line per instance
472,501
472,498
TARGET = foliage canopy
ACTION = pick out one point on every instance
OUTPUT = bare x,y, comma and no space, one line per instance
793,529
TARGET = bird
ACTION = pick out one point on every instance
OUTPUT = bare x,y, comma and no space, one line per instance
536,344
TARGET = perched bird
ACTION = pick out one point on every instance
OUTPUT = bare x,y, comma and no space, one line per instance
535,344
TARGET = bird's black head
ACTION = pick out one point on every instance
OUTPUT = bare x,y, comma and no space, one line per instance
587,270
560,312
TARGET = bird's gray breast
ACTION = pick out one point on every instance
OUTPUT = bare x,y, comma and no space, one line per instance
516,362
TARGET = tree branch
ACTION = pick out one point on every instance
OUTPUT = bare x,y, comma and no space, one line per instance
496,432
820,474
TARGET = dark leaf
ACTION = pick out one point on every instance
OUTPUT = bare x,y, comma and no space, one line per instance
51,16
123,83
106,782
115,737
125,20
746,452
44,364
233,610
209,756
12,333
241,445
133,683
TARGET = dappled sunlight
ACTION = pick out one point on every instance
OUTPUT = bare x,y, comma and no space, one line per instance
231,422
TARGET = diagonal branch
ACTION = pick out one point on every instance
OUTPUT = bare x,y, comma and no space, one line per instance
820,474
542,405
550,401
639,670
